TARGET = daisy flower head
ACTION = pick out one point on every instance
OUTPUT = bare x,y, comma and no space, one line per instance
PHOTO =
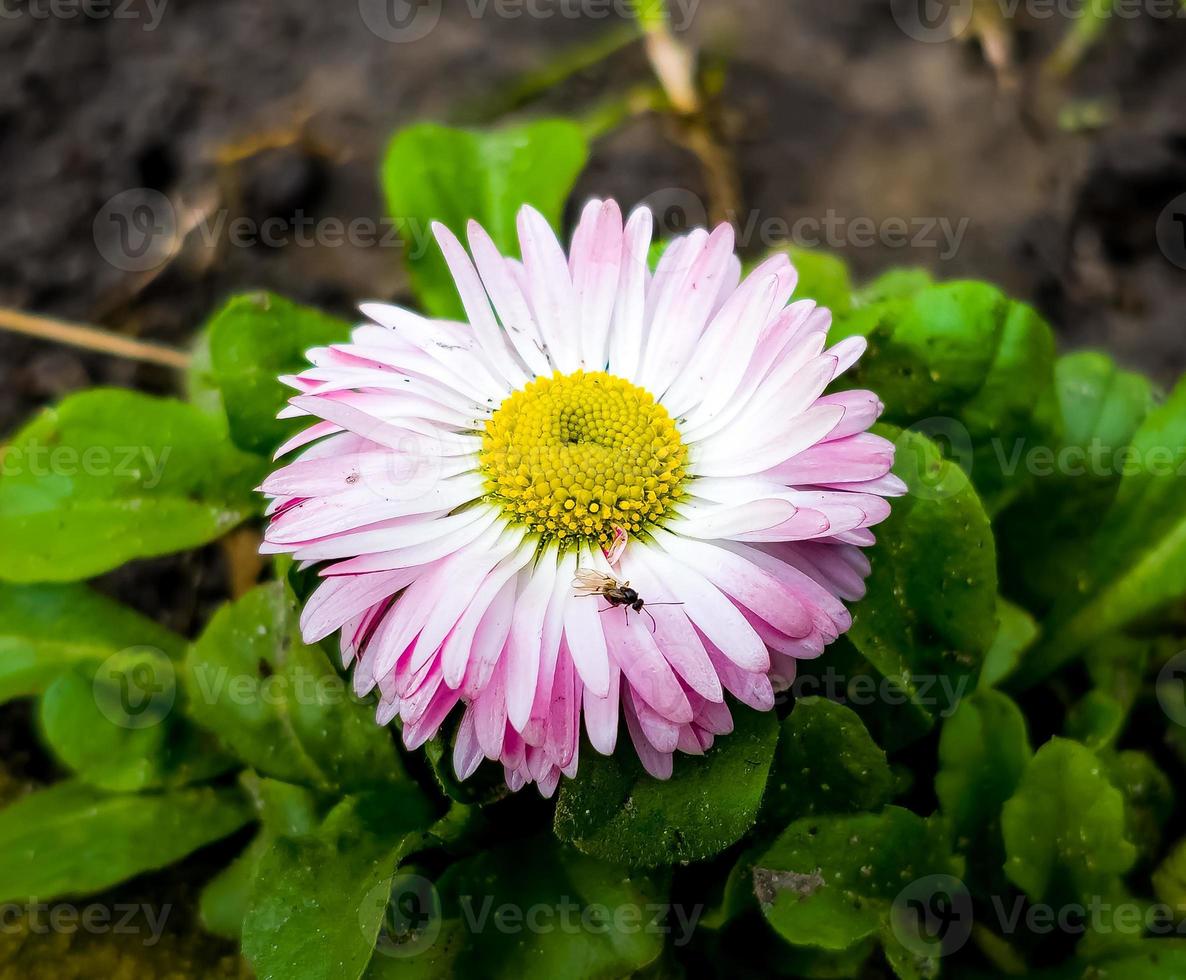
611,495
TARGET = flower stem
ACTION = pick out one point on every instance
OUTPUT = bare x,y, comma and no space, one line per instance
674,65
92,338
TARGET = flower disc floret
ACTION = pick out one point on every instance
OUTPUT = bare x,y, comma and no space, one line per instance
572,456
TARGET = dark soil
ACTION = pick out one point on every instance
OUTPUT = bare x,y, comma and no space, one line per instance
243,108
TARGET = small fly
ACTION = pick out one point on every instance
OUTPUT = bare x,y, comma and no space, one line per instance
593,583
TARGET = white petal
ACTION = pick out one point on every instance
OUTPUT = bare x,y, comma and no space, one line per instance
627,334
509,301
811,427
549,288
523,643
477,308
594,261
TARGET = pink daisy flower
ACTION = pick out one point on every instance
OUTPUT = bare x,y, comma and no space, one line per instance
611,495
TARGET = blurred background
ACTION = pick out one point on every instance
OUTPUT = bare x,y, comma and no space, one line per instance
229,140
1056,174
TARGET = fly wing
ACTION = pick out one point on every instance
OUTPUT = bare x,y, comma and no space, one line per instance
592,582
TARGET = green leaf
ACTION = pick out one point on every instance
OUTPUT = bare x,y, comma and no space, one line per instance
201,388
963,361
1045,537
655,252
284,810
1143,959
929,613
983,751
893,284
823,277
1117,666
1096,720
1065,833
253,340
86,724
278,704
893,719
1169,880
1137,563
484,786
71,839
1099,402
47,629
832,881
430,953
1148,797
1016,633
435,173
113,475
222,904
615,811
537,908
826,763
319,899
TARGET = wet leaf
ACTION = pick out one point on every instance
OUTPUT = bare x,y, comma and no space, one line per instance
435,173
615,811
111,475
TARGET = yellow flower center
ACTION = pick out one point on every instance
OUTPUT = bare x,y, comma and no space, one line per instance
573,455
